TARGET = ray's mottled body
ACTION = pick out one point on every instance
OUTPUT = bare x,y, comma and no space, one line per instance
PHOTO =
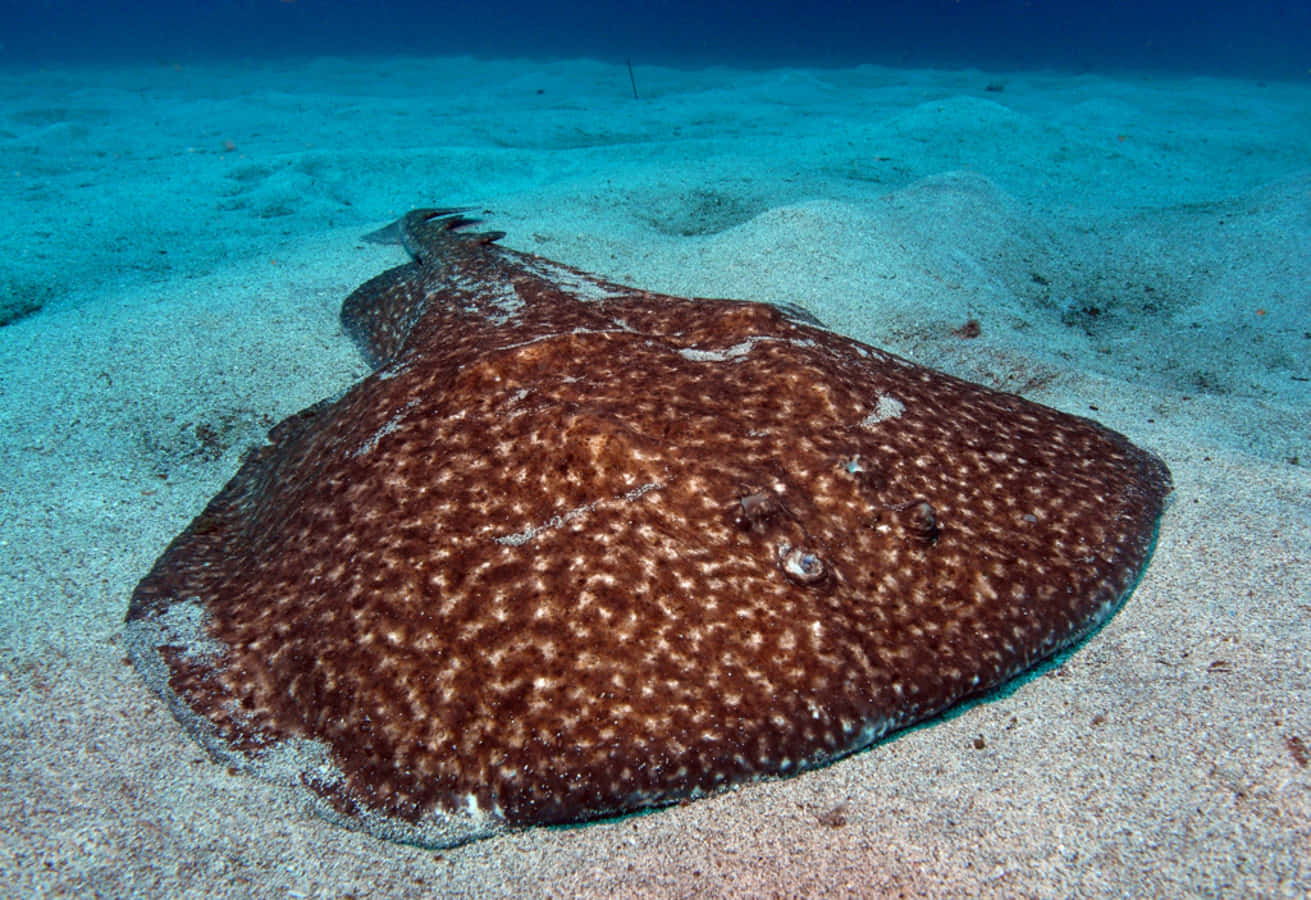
575,549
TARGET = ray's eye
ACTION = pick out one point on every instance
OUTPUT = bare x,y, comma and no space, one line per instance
754,509
922,522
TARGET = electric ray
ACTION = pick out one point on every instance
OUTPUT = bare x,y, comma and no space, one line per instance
575,549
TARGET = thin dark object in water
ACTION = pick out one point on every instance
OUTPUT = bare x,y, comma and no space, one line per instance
631,79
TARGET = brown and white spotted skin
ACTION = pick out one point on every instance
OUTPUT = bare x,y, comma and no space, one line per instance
575,549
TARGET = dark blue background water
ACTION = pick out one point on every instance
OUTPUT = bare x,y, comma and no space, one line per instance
1256,37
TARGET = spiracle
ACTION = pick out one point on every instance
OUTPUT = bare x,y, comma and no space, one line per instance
801,565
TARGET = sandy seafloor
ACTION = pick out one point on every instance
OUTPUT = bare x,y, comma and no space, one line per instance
1136,248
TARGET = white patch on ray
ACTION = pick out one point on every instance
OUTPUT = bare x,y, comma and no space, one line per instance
519,538
574,283
886,407
738,350
397,368
490,295
391,425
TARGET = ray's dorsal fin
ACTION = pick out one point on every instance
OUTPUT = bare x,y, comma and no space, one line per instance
378,315
422,231
394,232
429,234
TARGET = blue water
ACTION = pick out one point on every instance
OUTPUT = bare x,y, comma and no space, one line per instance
1267,38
